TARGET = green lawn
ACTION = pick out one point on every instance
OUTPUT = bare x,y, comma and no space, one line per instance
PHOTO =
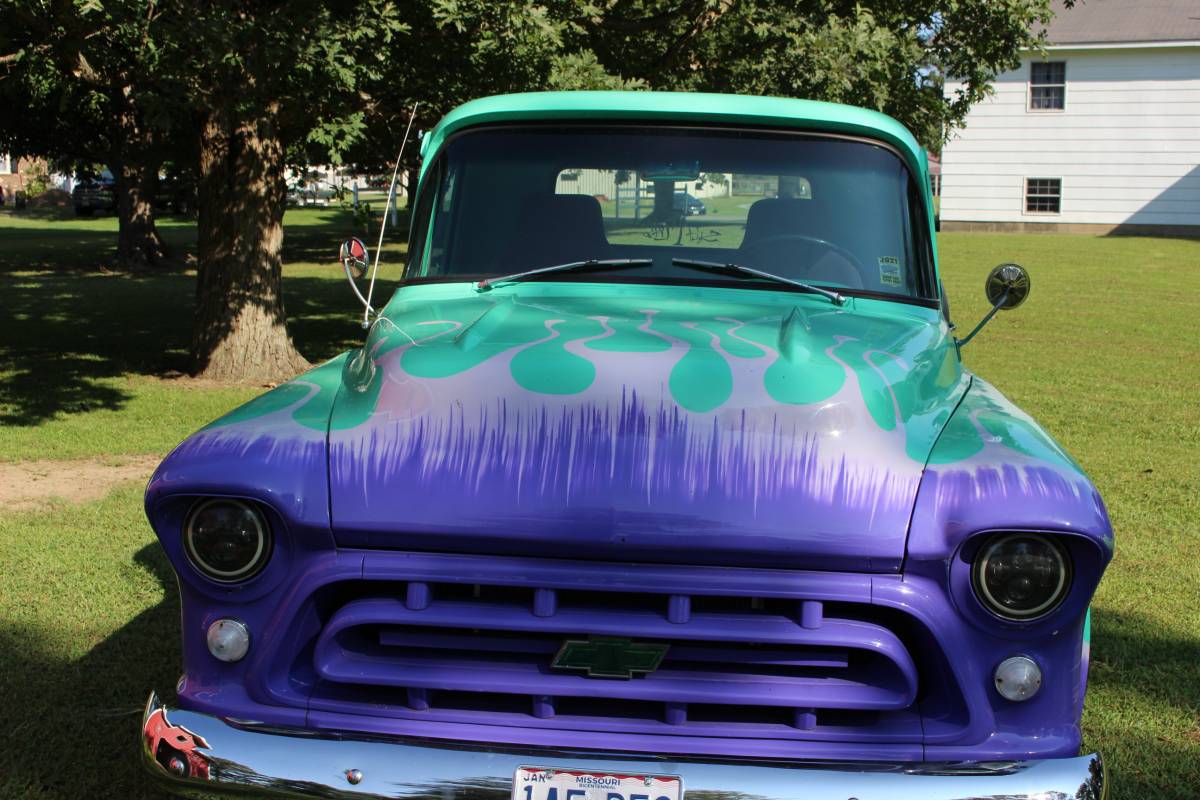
1104,354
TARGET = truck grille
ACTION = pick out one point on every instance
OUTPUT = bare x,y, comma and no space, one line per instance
798,656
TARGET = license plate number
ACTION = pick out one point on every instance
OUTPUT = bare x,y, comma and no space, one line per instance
539,783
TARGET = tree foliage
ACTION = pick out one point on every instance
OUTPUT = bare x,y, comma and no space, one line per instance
247,87
88,77
888,55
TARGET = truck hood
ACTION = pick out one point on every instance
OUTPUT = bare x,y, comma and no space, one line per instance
684,424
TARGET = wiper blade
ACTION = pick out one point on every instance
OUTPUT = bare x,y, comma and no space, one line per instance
751,272
592,263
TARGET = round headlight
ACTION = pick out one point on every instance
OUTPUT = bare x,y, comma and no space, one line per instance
227,540
1020,576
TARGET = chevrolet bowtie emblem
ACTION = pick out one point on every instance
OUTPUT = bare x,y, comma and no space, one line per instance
610,658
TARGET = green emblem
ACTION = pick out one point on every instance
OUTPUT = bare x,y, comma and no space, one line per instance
610,658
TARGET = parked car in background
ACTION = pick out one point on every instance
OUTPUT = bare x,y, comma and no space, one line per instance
311,193
601,510
93,194
689,204
175,194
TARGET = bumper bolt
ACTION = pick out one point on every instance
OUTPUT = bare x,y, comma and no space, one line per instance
354,776
177,766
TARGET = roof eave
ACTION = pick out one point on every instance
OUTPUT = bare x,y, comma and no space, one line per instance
1156,44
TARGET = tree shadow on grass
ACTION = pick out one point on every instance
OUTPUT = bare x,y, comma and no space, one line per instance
318,243
323,316
63,335
72,244
70,729
67,328
1132,656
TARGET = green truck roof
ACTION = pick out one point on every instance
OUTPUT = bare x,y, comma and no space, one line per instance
777,112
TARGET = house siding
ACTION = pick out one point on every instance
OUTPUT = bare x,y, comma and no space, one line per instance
1126,145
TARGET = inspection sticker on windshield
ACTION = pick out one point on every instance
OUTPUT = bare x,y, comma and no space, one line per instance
889,271
538,783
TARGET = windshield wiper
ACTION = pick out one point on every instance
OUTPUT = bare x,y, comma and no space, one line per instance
750,272
592,263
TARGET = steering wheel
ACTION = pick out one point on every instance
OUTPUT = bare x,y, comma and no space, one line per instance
784,238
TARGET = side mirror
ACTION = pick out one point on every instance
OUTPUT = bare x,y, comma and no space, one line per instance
356,260
1006,287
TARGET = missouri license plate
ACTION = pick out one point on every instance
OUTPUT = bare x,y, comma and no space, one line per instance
538,783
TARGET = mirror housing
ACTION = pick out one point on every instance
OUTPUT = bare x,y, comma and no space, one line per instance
354,256
670,172
1006,287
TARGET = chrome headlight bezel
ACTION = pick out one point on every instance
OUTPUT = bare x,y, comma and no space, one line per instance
252,567
986,597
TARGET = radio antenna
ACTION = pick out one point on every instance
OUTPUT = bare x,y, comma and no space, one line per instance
366,323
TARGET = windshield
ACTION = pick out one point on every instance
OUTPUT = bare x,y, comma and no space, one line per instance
826,211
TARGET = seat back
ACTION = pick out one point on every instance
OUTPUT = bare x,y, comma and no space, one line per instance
554,229
785,216
765,244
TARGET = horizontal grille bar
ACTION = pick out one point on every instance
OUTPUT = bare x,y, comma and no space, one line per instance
764,629
665,685
484,642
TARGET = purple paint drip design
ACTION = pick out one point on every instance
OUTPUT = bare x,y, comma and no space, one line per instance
590,450
652,477
255,446
1008,482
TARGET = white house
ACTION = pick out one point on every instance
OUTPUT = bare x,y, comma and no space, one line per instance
1101,133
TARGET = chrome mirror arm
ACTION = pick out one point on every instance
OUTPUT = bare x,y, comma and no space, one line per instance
1006,287
986,318
349,265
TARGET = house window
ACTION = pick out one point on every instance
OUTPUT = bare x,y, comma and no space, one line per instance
1047,85
1043,195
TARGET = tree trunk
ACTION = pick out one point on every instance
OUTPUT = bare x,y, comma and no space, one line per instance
138,243
664,202
240,329
135,178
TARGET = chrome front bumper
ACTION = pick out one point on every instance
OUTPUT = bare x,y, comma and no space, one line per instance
196,755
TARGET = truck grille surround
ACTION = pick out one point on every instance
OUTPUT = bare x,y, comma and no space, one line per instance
757,662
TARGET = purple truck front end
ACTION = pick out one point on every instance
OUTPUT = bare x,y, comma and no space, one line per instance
466,578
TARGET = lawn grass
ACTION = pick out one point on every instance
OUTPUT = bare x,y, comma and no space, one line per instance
90,362
1104,354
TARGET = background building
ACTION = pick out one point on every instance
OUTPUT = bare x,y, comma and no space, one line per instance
1101,133
10,174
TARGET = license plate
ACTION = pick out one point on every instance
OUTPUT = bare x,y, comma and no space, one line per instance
540,783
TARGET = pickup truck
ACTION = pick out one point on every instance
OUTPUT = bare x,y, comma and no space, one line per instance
667,508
